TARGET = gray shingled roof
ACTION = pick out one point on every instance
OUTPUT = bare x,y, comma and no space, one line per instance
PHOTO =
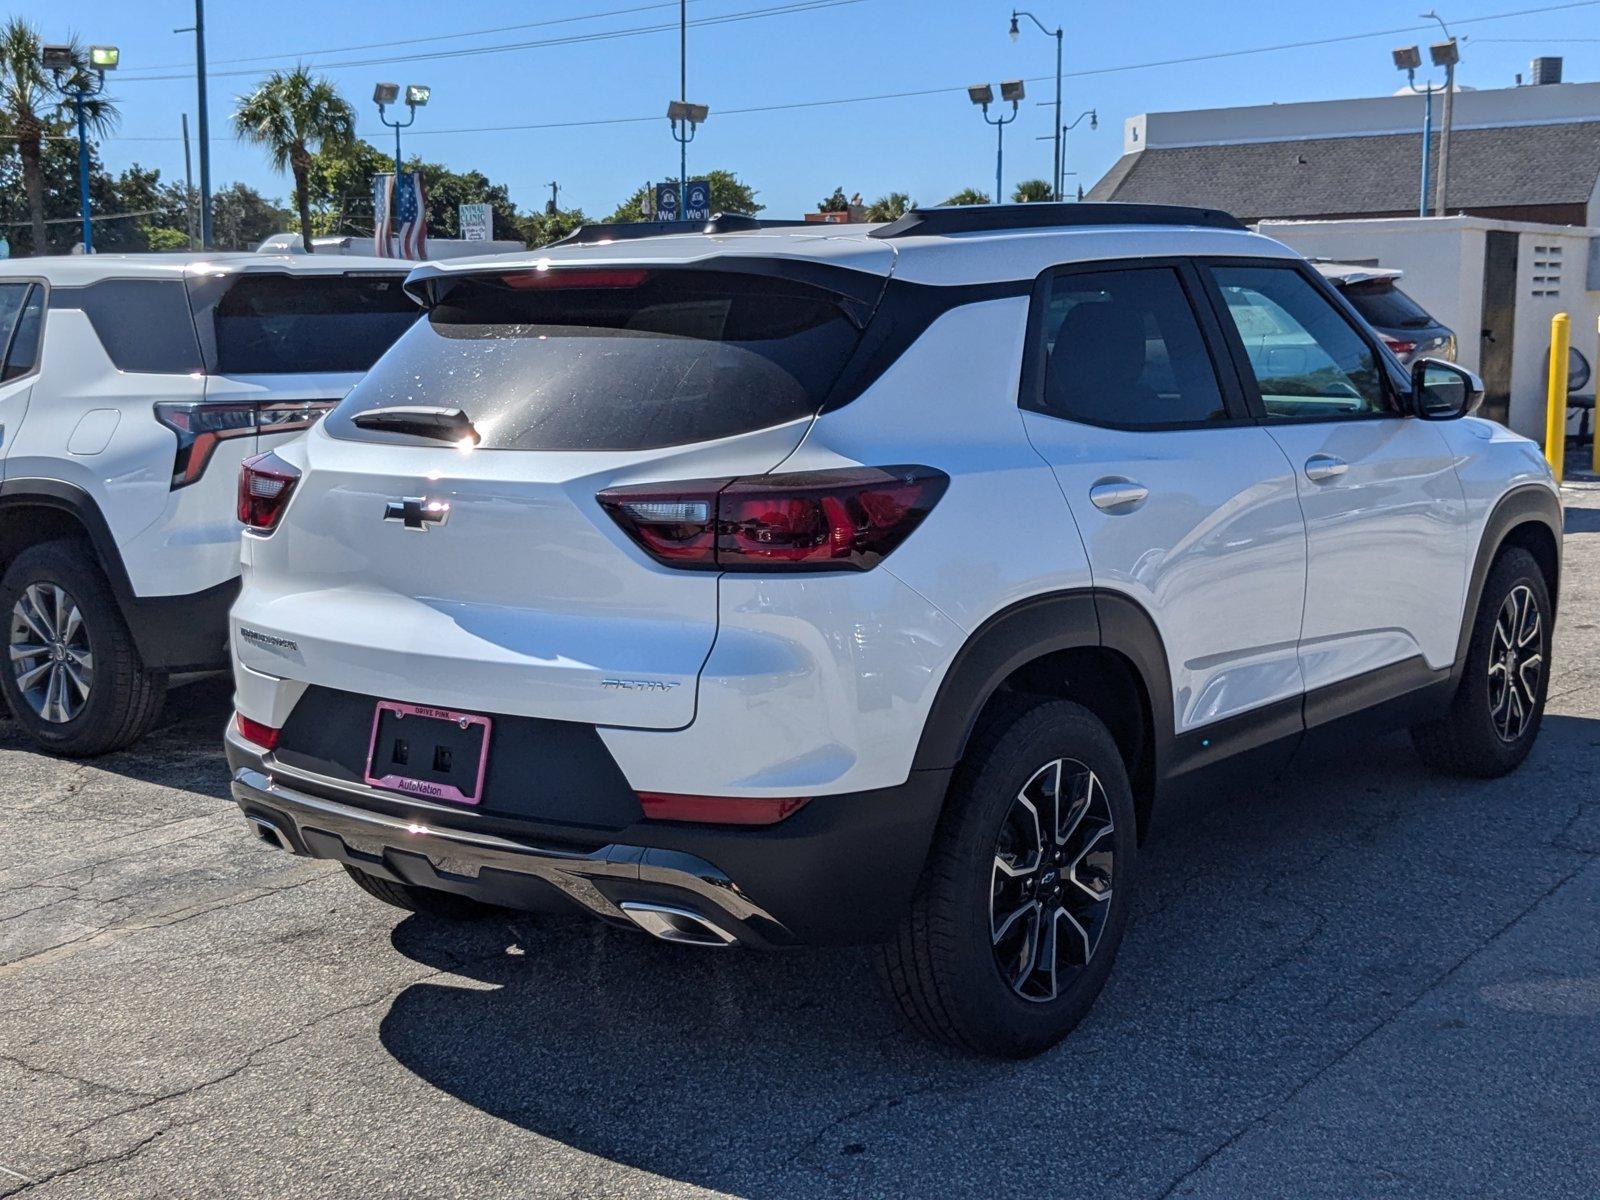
1489,168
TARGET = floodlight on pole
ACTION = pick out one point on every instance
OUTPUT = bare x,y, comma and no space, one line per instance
1406,58
385,94
686,119
982,94
81,79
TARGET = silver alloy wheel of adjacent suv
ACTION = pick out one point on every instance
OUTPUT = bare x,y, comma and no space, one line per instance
1516,658
1050,890
50,657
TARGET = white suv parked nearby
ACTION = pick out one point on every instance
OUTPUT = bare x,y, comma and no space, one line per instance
132,388
773,586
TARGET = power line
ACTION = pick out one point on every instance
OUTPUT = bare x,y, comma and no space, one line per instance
435,37
798,6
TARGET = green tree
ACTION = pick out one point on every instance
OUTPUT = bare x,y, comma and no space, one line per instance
969,196
834,203
891,207
289,114
447,190
1032,191
729,194
241,218
31,103
340,184
159,237
542,228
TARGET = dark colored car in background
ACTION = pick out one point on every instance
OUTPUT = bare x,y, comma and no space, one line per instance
1404,325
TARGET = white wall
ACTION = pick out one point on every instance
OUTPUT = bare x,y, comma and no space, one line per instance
1443,263
1493,107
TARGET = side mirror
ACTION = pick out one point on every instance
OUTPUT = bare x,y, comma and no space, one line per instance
1442,391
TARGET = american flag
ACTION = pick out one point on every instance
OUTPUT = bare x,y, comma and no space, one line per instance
401,221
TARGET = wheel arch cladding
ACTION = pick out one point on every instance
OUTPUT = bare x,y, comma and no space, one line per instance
1099,650
1528,517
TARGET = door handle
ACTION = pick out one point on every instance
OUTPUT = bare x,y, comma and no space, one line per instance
1325,466
1111,494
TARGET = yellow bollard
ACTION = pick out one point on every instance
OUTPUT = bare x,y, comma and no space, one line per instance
1555,402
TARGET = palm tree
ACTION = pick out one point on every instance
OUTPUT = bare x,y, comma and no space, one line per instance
968,196
1031,191
294,114
31,103
891,207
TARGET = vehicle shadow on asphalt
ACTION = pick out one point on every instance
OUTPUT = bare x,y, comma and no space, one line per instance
1251,964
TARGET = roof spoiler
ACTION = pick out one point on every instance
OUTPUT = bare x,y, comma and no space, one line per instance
981,218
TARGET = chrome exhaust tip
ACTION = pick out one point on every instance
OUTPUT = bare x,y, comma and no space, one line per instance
269,833
676,924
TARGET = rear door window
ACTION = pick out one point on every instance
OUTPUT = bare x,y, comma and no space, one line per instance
268,324
1123,348
144,324
615,359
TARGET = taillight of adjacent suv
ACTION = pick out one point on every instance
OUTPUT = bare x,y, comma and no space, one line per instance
837,520
200,426
265,484
1400,346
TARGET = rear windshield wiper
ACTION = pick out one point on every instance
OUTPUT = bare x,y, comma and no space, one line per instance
445,424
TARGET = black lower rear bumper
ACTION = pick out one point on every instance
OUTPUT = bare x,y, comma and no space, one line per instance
839,871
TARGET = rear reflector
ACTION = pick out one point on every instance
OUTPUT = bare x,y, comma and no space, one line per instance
265,484
254,731
839,520
721,810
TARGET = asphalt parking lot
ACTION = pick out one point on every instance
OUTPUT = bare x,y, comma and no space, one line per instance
1351,978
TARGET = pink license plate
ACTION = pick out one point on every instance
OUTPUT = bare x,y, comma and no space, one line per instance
431,753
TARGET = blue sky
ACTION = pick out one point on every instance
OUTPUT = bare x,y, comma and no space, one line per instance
929,145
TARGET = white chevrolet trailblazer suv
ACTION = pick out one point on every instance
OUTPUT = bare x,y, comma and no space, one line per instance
766,586
132,388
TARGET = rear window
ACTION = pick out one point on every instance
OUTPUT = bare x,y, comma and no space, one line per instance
1385,306
285,324
613,360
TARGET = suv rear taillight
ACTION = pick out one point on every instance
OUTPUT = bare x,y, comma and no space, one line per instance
202,425
1399,345
265,485
840,520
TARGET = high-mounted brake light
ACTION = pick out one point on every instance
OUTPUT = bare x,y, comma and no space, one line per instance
837,520
581,277
720,810
265,484
201,426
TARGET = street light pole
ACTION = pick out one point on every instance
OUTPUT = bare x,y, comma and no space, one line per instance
1094,123
385,94
1060,150
1408,59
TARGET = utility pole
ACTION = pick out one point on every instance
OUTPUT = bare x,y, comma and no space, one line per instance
553,208
201,114
188,186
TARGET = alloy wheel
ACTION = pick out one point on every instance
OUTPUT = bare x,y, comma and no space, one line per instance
1516,660
50,657
1050,890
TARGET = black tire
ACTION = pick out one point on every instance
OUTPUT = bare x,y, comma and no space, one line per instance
943,969
1471,739
124,698
415,899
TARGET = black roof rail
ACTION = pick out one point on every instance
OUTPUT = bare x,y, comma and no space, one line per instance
981,218
588,235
